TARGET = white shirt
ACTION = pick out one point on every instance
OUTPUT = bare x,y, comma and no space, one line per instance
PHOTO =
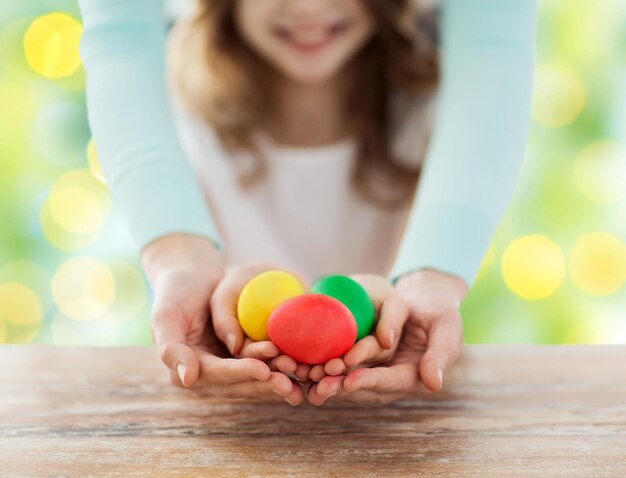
303,214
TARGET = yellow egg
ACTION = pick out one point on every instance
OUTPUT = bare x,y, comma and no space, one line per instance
260,296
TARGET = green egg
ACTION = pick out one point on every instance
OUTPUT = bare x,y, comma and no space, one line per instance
353,296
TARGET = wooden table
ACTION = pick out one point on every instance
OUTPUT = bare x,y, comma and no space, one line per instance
505,410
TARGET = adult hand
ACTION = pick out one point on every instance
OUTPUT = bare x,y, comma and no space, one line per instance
430,344
184,271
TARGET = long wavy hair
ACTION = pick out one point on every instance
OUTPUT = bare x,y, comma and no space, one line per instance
217,76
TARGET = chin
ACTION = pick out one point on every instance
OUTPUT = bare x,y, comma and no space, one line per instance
311,76
312,71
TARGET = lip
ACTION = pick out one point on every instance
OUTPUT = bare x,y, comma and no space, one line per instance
331,33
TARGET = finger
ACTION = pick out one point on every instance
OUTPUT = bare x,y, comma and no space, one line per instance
330,388
224,307
175,379
225,392
365,350
296,396
215,370
277,384
367,396
377,287
317,373
284,363
444,345
169,337
396,379
394,313
263,350
335,366
302,372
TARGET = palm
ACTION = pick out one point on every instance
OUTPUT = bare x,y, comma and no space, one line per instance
413,343
188,293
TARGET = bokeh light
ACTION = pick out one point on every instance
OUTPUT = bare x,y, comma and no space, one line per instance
32,276
587,333
18,105
533,267
63,248
559,95
76,210
587,30
19,305
597,263
131,295
64,333
604,324
74,213
83,288
51,45
600,172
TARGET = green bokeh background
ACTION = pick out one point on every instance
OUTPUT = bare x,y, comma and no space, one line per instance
44,135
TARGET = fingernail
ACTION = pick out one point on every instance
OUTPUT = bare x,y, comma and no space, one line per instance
440,373
230,342
291,403
278,393
181,369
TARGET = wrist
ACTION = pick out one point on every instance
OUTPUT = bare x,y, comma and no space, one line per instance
420,278
179,250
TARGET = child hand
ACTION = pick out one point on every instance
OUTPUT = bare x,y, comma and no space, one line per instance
229,331
430,344
391,311
184,271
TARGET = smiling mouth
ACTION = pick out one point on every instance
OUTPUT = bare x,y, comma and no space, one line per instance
310,38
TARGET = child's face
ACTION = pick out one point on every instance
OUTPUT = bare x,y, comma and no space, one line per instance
309,41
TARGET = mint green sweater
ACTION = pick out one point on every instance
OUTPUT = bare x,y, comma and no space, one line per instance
471,166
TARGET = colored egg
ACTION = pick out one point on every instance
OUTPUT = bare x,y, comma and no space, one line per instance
312,328
353,296
260,296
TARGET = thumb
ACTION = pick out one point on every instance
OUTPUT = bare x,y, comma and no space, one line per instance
444,345
393,315
167,327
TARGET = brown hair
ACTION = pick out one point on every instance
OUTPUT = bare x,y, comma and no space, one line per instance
221,87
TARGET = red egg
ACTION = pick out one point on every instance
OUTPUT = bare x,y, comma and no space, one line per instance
312,328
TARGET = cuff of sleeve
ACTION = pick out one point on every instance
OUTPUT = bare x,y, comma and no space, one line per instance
449,238
150,213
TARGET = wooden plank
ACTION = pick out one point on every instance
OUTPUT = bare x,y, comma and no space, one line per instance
506,410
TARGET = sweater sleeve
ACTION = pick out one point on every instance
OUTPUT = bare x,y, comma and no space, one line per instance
151,183
488,51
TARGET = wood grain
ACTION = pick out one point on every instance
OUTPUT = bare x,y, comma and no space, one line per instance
505,410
